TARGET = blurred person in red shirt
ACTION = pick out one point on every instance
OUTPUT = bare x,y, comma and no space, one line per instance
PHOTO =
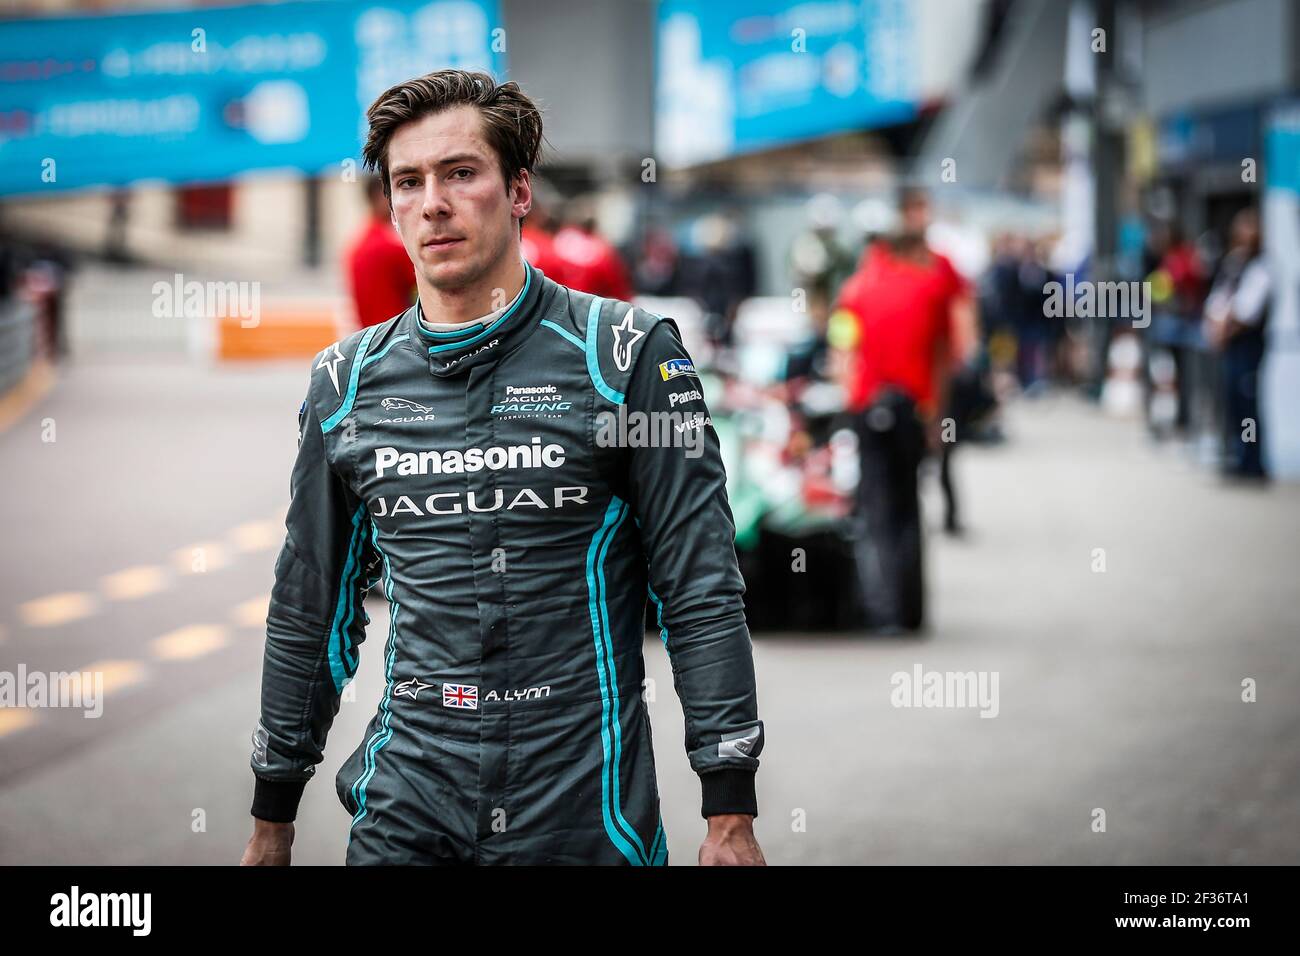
537,236
1187,275
657,261
1179,284
899,321
1189,283
380,275
590,263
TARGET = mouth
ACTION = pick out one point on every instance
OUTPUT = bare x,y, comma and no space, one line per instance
442,242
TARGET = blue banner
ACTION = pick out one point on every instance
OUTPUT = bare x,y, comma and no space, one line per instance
1209,136
1282,147
738,77
209,93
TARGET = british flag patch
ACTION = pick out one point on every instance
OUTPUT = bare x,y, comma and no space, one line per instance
463,696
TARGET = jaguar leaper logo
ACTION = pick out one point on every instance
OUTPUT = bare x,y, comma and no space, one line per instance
416,411
393,404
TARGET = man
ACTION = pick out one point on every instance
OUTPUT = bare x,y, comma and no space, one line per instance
1236,320
897,317
452,456
379,270
1178,285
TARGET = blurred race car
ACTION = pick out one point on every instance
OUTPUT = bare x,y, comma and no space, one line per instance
791,463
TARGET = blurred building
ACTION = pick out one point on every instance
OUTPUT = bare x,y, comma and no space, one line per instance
264,219
619,124
1219,89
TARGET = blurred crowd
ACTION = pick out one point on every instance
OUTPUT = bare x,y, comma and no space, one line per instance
1204,348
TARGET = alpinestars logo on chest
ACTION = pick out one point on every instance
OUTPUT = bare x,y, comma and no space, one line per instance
623,349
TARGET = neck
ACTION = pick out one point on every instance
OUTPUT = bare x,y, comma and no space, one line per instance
475,300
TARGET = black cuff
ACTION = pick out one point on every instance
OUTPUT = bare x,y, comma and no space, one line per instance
276,801
728,791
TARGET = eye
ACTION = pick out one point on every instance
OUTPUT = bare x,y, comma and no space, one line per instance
463,169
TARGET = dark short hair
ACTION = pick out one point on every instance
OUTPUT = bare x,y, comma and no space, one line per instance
512,124
912,195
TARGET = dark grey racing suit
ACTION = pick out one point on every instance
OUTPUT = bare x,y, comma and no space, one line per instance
480,479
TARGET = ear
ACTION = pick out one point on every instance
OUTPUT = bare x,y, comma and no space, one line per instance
521,195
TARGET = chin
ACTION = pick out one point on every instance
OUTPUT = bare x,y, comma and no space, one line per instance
450,275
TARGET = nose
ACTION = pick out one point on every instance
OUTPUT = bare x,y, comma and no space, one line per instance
436,204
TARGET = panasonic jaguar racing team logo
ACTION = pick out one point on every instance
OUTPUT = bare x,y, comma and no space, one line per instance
531,401
415,411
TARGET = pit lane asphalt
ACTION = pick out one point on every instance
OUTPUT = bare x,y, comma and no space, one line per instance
142,539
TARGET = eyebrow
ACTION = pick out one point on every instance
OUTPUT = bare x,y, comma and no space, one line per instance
457,158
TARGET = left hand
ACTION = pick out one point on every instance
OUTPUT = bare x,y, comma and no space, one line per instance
731,842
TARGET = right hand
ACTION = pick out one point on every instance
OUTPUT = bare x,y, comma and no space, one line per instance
269,844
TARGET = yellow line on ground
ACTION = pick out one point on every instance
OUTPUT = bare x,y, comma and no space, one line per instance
189,642
251,613
14,719
256,536
55,609
117,674
20,399
133,583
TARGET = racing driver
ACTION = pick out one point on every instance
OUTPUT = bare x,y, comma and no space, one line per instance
455,456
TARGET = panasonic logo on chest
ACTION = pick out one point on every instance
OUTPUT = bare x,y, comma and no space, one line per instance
454,461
